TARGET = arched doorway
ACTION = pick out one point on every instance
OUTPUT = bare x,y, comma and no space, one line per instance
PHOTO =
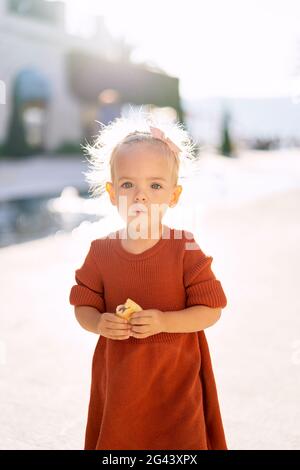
26,130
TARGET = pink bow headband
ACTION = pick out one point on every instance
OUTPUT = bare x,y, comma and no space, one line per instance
159,134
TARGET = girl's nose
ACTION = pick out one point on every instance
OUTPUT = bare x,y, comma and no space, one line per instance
140,196
140,199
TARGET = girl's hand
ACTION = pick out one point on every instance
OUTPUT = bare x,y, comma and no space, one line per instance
146,323
113,327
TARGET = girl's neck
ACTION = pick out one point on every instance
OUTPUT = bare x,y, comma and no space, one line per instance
140,244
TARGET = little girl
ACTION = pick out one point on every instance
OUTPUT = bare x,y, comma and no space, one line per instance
152,384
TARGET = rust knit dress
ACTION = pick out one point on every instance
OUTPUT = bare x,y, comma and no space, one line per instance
157,392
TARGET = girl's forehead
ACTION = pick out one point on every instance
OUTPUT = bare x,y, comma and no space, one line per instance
141,157
141,150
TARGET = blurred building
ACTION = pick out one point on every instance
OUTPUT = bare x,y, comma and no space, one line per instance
262,123
54,84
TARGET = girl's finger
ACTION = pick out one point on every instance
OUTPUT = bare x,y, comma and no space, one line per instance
139,321
139,335
117,336
139,329
118,328
118,322
139,318
112,317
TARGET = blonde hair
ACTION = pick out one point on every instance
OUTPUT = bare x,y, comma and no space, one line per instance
129,130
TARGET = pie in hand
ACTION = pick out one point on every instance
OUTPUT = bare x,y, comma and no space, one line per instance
127,309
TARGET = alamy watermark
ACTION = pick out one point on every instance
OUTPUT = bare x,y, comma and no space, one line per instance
144,221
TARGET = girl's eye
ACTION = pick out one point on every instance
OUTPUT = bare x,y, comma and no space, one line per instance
127,182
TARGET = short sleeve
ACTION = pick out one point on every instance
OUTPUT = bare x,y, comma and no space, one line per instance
88,289
201,285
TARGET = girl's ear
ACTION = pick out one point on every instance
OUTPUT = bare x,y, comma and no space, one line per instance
176,195
110,189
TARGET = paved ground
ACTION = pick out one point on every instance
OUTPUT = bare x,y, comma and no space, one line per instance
45,356
256,344
40,175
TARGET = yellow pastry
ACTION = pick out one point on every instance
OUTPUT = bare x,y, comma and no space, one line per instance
127,309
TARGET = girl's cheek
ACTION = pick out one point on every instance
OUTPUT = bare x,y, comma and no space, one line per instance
122,195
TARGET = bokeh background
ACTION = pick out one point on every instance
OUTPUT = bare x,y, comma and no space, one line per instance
230,72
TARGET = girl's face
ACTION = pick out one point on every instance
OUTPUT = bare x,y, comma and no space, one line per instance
143,179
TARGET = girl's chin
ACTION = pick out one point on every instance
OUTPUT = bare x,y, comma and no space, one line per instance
141,215
144,219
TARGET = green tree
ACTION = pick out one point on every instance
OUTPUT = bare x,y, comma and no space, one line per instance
15,143
226,147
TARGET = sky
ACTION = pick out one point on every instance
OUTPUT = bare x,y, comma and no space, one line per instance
237,48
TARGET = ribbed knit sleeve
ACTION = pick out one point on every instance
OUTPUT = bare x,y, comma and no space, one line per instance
201,285
89,287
